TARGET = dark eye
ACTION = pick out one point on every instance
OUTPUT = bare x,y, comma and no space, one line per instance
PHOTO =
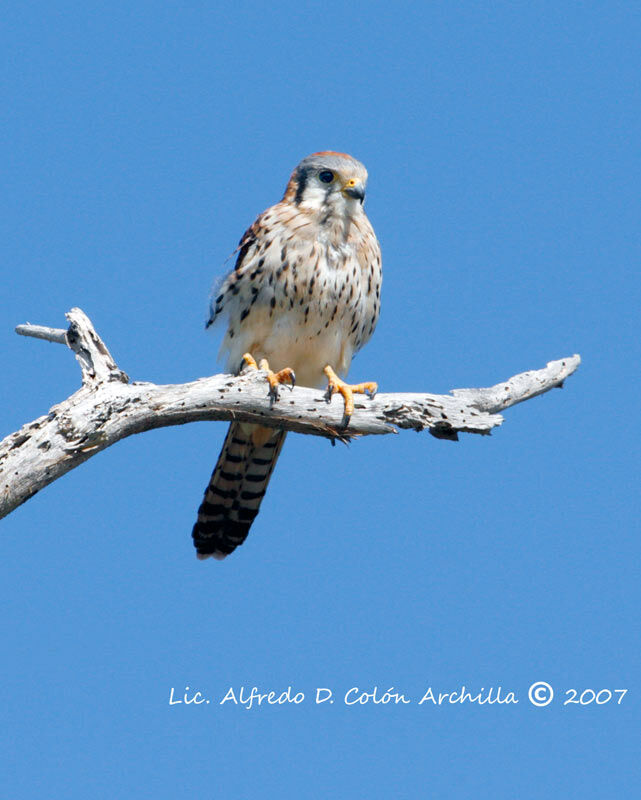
326,176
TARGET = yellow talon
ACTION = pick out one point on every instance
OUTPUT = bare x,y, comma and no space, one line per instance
248,360
335,384
275,379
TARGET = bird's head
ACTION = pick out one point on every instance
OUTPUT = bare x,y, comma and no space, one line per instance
328,181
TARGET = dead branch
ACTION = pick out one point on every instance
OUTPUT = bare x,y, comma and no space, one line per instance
108,408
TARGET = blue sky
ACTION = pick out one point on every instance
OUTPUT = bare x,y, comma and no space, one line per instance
502,142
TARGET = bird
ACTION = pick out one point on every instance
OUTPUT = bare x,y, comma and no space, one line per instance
302,299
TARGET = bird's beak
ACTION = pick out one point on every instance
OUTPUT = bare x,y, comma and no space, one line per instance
354,189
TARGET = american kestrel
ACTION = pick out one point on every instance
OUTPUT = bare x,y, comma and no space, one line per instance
303,297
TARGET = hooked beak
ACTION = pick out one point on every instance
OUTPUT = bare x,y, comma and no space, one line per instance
354,189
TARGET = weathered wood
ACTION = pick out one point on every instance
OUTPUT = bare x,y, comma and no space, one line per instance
108,408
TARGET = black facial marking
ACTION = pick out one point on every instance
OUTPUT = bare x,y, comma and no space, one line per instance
302,183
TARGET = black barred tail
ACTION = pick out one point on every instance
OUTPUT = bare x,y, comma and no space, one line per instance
236,488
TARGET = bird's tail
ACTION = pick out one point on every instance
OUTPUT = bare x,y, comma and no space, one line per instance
236,488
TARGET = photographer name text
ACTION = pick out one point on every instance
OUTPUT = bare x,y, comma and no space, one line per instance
538,694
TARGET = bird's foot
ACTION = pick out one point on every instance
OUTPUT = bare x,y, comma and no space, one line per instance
335,384
284,377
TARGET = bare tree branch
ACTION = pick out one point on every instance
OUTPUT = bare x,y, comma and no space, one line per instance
108,408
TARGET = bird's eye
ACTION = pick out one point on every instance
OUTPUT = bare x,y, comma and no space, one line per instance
326,176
